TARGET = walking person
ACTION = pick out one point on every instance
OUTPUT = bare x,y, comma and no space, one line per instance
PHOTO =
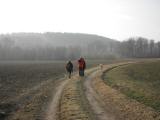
69,68
81,66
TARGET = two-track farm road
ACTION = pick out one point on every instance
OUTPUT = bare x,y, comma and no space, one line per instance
70,101
89,98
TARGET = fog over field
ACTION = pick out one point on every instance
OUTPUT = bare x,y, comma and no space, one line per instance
63,46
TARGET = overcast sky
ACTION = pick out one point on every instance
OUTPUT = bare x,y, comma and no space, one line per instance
118,19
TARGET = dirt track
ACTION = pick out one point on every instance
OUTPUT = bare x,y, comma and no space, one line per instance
96,103
76,99
89,98
53,108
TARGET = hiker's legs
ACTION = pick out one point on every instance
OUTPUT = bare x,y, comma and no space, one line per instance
69,74
81,73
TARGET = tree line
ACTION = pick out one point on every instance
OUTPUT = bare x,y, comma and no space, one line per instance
139,48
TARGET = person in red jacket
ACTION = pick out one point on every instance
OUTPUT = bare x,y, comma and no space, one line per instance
81,66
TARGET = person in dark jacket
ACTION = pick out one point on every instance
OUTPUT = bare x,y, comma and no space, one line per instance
69,68
81,66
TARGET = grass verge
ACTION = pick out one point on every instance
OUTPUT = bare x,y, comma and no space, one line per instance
139,81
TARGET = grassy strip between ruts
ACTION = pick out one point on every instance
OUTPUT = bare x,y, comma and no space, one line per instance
139,81
73,103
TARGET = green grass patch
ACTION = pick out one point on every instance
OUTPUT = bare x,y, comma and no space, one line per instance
139,81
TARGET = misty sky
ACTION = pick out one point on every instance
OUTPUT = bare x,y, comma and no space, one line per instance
118,19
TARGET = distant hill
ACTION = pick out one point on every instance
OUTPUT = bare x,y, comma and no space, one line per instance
45,44
54,39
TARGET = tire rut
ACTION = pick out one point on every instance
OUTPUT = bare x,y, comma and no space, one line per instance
96,104
52,113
